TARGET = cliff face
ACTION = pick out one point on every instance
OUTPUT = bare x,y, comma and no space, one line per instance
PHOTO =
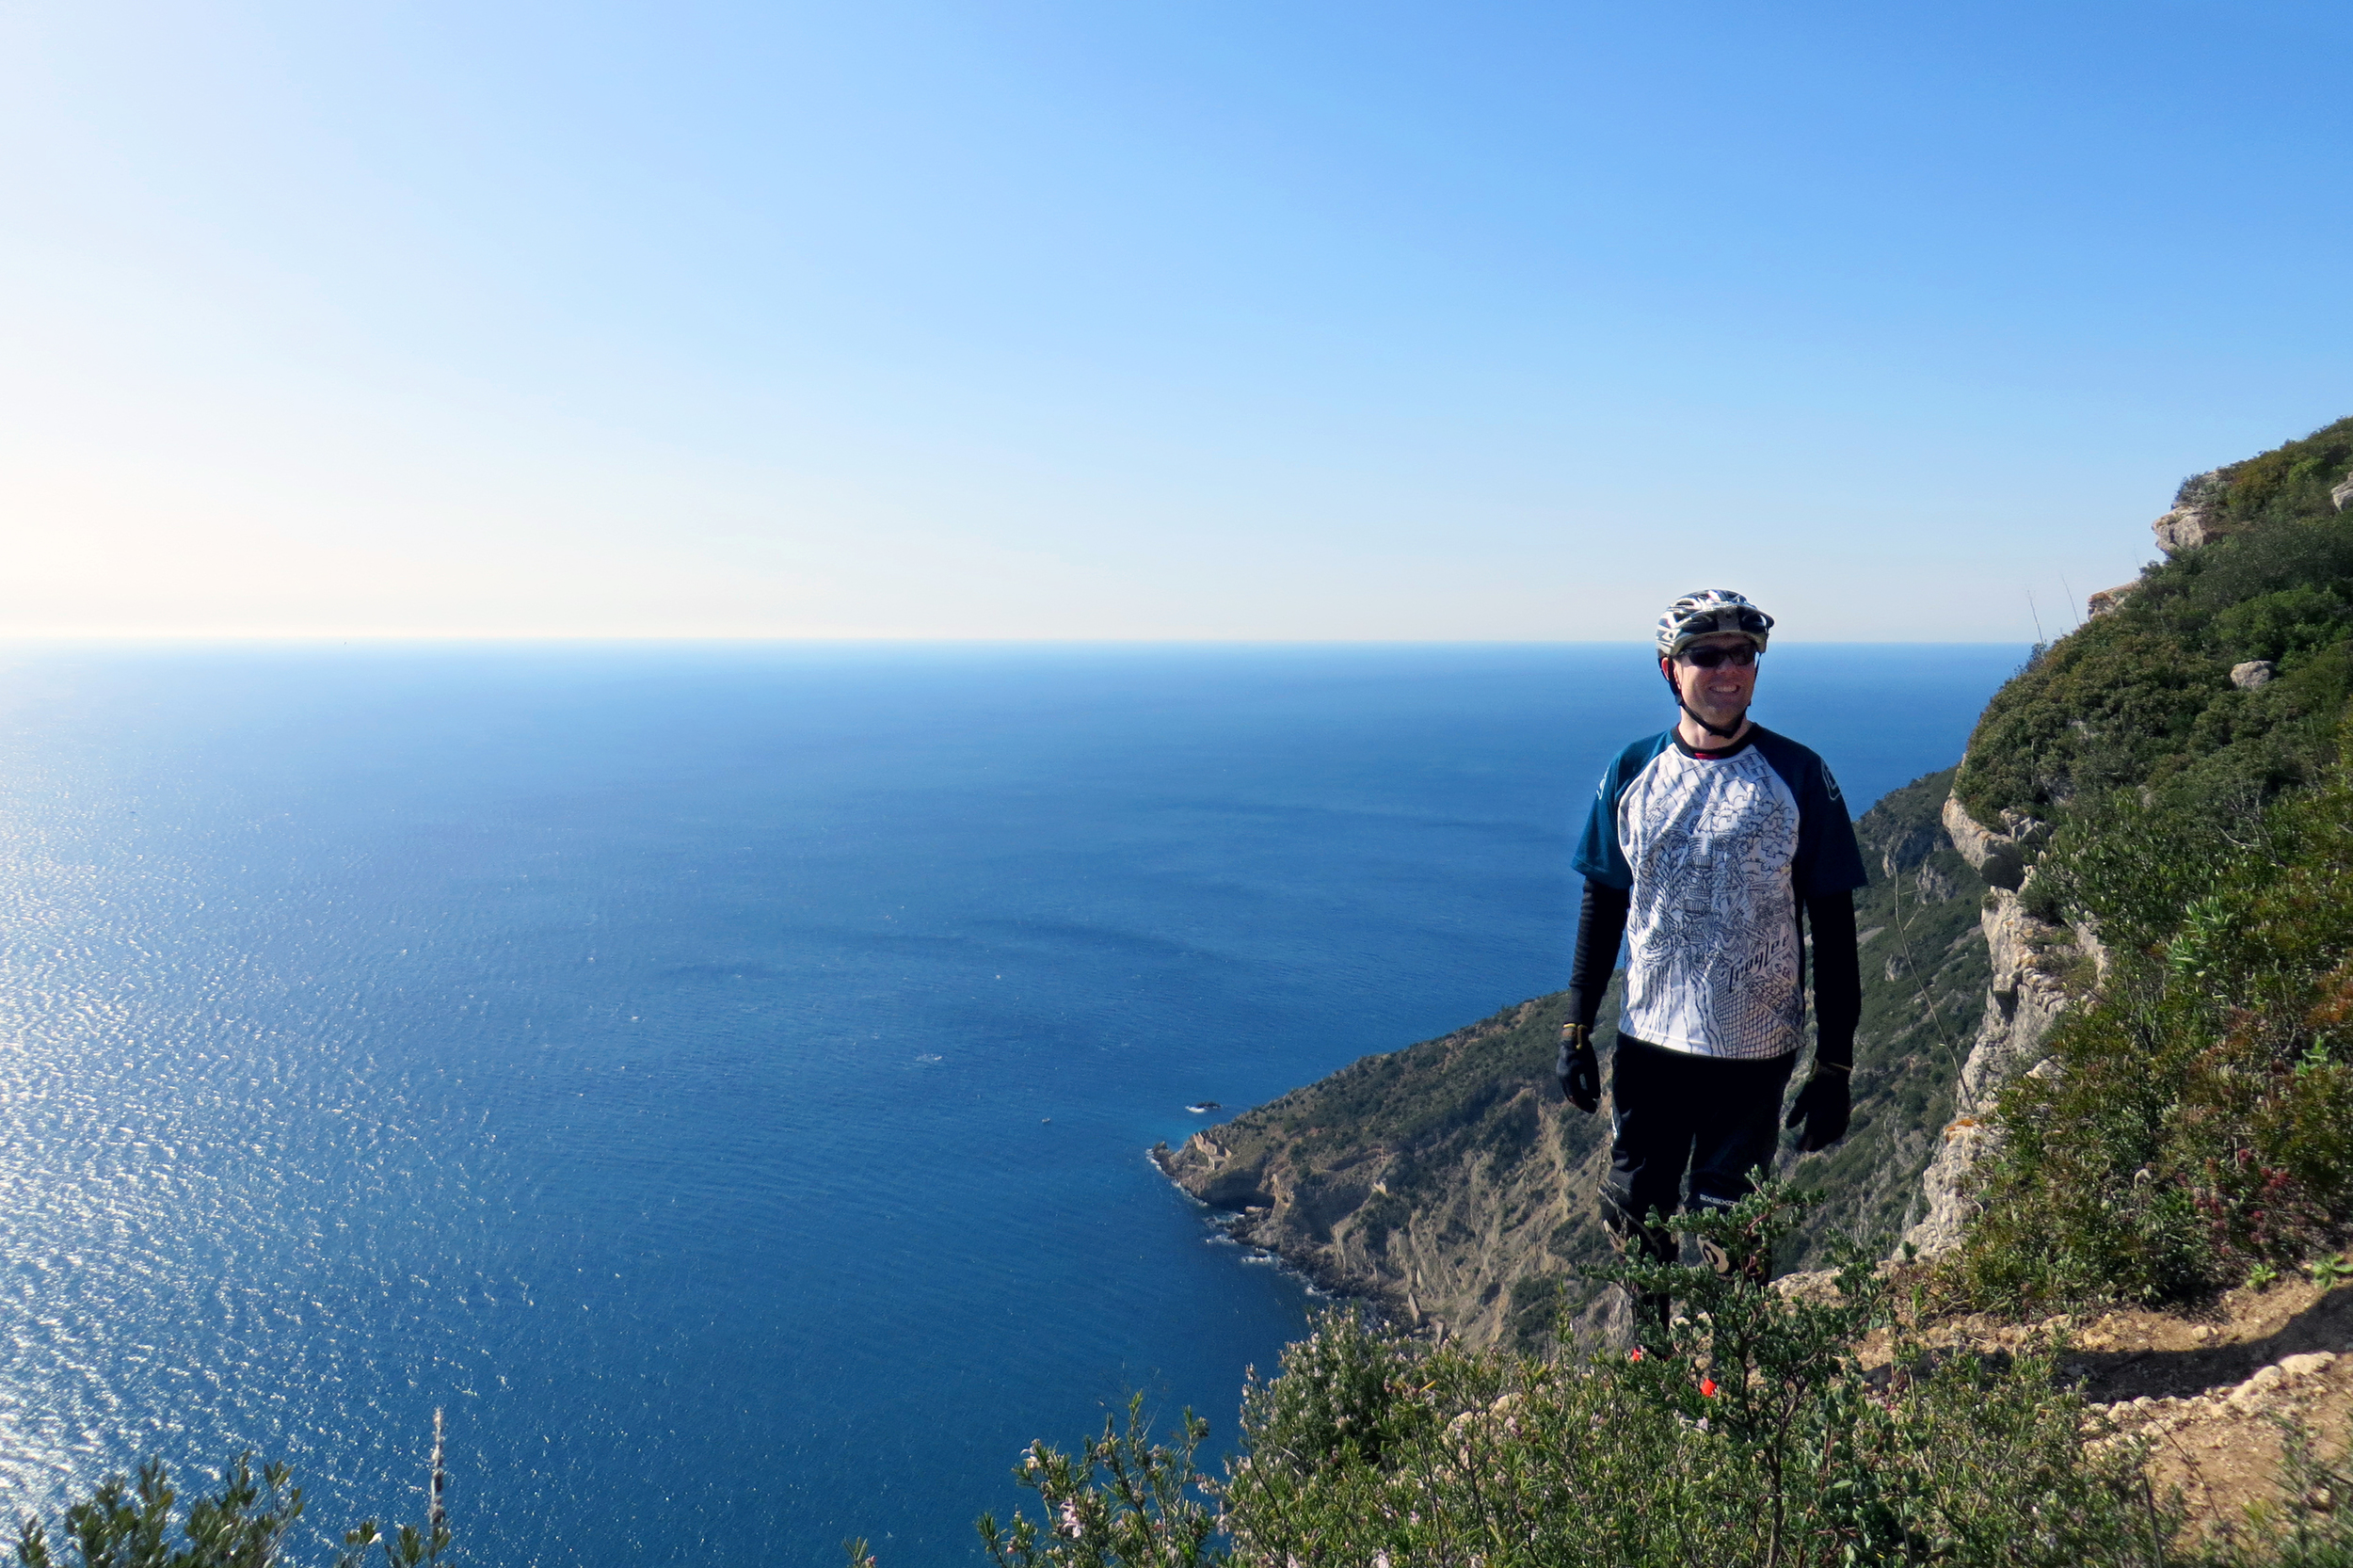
2210,679
2028,960
1432,1181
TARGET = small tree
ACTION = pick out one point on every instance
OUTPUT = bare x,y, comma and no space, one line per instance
124,1525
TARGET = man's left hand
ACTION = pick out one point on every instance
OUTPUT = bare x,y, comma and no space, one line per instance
1578,1071
1823,1106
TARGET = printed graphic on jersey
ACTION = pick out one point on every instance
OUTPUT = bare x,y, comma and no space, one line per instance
1713,928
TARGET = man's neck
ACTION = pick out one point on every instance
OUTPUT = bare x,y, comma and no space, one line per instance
1688,730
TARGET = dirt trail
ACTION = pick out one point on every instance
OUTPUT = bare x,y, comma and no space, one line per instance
2208,1390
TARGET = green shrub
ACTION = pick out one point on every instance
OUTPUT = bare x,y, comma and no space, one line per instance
2138,693
2308,1527
2195,1122
1122,1499
1747,1433
127,1524
2300,620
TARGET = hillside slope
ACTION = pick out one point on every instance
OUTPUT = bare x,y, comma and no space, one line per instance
2166,1108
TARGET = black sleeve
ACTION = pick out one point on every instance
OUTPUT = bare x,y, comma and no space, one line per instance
1838,978
1600,927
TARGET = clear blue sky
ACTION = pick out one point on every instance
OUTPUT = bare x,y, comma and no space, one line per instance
1233,318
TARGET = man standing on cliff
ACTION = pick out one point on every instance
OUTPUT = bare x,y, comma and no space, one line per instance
1707,846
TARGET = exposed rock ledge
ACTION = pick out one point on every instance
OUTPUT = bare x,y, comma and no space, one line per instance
1427,1182
2000,857
2107,600
2197,515
2031,958
2206,1392
2024,1000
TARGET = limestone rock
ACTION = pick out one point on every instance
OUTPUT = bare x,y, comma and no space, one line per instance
2187,528
2254,673
2023,1001
2197,515
1933,885
2342,493
1433,1230
1999,857
2107,599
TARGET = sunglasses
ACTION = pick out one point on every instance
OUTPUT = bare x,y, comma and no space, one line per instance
1709,658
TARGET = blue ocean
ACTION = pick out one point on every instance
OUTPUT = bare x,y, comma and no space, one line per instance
720,1076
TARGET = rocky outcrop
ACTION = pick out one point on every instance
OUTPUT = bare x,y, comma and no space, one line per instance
2024,998
1446,1184
2342,493
1446,1270
2001,857
2187,528
2253,674
2108,600
2197,515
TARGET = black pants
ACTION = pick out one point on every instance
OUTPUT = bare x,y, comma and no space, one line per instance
1674,1112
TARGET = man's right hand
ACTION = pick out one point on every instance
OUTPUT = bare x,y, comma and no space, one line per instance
1579,1070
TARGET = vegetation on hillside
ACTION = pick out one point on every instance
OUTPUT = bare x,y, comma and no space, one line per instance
2194,1127
2142,696
1751,1433
2193,1124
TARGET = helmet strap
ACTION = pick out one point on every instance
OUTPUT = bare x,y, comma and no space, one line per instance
1725,733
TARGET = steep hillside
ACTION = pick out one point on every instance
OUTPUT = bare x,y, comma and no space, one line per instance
2023,944
2166,1108
1449,1182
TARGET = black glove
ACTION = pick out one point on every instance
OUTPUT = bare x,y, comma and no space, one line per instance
1579,1070
1823,1106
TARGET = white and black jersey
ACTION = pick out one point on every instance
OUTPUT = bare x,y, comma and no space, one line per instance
1714,850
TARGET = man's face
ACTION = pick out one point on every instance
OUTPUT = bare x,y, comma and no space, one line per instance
1718,696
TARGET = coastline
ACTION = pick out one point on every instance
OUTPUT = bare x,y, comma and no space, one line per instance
1236,1226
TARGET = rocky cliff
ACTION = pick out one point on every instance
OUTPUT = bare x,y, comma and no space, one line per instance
2030,962
2160,696
1446,1182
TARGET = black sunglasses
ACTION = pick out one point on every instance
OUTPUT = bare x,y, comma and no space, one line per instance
1708,658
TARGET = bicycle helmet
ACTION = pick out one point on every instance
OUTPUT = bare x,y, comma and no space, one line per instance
1704,612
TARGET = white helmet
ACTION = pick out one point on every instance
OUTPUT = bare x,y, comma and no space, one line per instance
1704,612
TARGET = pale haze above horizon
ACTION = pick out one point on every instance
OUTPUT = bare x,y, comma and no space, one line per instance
1218,321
